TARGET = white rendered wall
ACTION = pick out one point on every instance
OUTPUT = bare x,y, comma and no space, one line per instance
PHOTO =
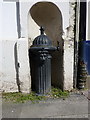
0,43
88,20
0,19
88,23
0,59
23,59
8,66
9,28
25,7
0,64
9,81
8,39
69,50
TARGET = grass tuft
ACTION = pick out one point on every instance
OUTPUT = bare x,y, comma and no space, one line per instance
21,97
58,93
17,97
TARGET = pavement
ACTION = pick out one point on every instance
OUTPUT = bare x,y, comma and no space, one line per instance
74,106
77,105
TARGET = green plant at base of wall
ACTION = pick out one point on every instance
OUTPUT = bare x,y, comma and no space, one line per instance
17,97
58,93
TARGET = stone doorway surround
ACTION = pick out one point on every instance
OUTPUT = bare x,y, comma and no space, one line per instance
63,61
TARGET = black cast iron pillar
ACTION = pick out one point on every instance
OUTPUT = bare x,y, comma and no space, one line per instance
40,62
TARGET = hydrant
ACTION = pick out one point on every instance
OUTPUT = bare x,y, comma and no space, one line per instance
40,63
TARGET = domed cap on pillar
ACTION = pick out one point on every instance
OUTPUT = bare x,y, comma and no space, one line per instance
42,40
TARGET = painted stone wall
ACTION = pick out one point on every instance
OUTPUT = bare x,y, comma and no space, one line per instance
29,30
7,71
14,63
69,49
88,19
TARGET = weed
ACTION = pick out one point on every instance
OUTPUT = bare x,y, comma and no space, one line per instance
18,97
21,97
58,93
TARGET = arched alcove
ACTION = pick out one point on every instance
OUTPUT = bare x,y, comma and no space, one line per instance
47,14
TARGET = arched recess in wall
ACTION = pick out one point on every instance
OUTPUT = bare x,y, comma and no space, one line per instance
47,14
